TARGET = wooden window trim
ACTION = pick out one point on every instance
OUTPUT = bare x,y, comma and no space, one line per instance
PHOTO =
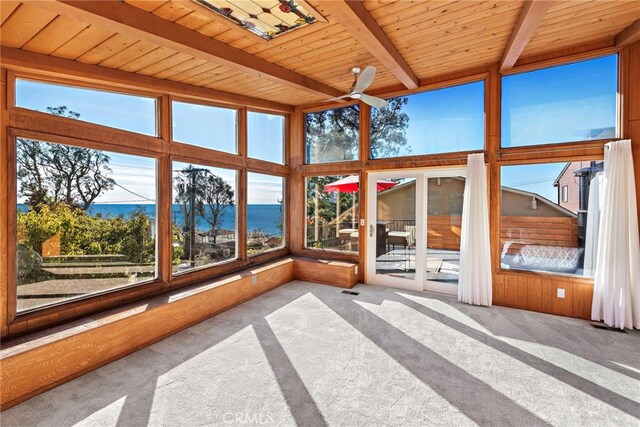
32,123
240,212
332,254
568,60
498,184
473,78
49,310
285,133
57,81
27,123
285,216
240,125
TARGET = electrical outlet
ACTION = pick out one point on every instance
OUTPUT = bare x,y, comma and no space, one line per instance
362,222
254,280
560,293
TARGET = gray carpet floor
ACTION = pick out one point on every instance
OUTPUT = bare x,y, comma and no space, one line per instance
309,355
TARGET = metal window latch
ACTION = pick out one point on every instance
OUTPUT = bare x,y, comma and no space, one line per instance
371,230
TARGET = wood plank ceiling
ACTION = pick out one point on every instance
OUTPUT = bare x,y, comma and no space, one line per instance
434,37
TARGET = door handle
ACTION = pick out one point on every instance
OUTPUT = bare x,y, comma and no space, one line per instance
371,230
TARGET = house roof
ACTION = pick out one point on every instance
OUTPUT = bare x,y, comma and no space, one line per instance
561,174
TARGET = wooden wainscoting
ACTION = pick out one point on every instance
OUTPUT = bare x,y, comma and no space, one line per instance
539,292
33,364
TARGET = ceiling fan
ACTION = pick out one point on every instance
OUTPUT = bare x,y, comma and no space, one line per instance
361,81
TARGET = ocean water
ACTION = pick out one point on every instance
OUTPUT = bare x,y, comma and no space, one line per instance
264,217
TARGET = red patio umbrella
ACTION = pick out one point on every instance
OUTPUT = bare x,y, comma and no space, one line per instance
351,184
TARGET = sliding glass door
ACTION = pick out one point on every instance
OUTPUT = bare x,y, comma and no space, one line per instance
413,239
443,219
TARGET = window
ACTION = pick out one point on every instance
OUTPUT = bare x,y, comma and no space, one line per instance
203,216
573,102
205,126
266,136
332,135
537,232
117,110
265,213
565,193
85,222
438,121
332,212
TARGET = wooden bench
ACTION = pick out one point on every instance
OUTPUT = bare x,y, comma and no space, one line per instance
335,273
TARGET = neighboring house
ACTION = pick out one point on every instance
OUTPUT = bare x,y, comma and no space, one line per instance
526,216
569,186
445,197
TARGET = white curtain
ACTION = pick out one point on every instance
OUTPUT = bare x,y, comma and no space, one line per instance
616,296
474,286
593,224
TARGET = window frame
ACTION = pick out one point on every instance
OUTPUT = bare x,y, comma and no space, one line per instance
238,256
498,212
565,194
568,60
285,216
332,253
323,108
27,123
285,136
431,88
240,112
12,210
13,77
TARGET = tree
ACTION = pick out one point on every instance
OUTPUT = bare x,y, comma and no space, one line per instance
389,128
188,188
218,195
55,173
333,134
199,193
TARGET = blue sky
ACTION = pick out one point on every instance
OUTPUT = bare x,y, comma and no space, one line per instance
533,178
445,120
558,104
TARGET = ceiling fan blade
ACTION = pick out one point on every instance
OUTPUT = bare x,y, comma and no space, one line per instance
365,79
340,97
374,101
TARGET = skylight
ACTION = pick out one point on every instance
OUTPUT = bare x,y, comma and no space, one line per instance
266,18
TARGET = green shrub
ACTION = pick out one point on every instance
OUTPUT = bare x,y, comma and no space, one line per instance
82,234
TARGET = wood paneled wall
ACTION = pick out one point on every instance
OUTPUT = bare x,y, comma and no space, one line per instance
527,290
37,365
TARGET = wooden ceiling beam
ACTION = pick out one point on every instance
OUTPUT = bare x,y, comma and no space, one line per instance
357,20
46,65
134,22
629,35
530,18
